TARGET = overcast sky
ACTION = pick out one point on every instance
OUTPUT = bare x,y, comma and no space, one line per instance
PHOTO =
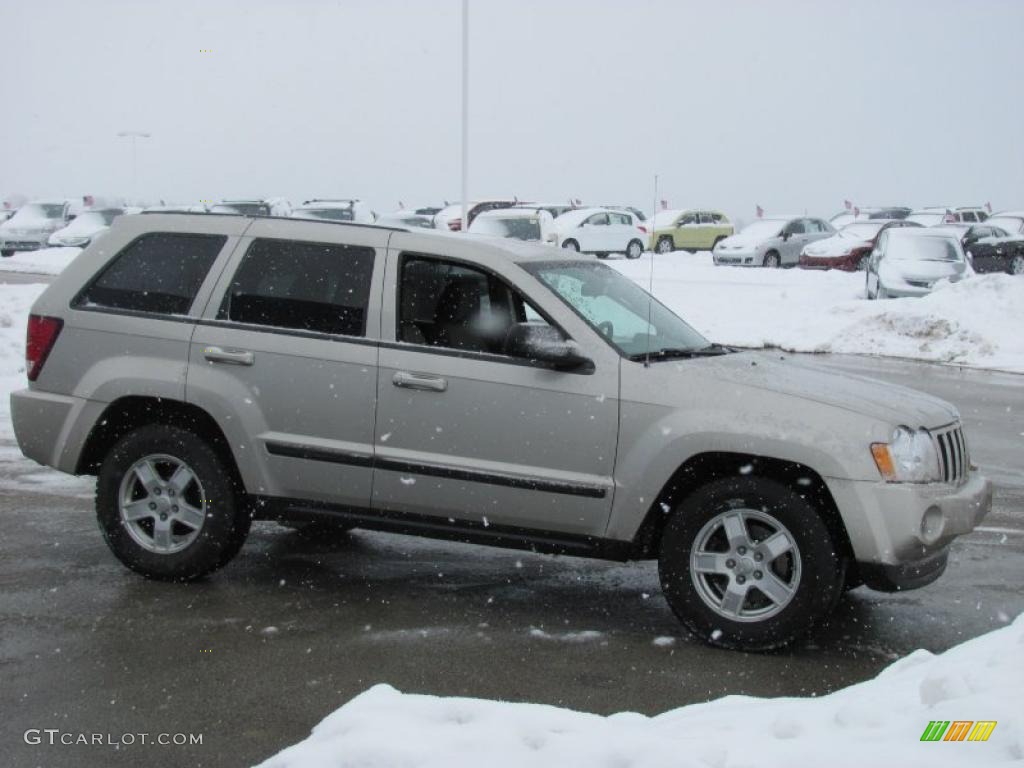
792,105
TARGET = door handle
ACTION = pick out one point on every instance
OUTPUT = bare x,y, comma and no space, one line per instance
230,356
419,381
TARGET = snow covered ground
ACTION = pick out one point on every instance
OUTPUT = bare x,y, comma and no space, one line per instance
977,322
875,723
46,261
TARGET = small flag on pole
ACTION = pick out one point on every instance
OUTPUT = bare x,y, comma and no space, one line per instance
401,205
848,204
664,205
88,201
856,212
950,218
988,207
760,212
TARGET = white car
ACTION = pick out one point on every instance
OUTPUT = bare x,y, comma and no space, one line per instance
601,231
910,261
272,206
517,223
352,210
85,227
32,225
1011,221
406,219
936,215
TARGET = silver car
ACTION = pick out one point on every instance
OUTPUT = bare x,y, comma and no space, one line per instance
909,262
31,226
212,370
771,242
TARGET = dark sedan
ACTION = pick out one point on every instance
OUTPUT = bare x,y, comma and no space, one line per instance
992,249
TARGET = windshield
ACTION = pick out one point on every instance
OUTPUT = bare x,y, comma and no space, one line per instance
519,228
927,219
34,212
862,230
246,209
616,307
763,228
1011,224
328,214
922,249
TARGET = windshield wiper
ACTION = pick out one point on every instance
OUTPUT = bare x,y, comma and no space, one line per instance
677,353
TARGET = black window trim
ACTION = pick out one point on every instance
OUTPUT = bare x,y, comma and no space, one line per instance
76,302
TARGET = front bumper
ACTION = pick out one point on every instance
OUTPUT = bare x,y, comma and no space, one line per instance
901,532
847,262
738,258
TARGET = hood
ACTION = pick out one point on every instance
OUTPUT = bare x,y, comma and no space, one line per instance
857,394
742,240
837,245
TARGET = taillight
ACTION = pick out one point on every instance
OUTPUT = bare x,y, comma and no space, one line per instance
455,225
642,229
42,335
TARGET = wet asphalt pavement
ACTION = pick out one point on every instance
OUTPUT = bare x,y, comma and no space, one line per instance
258,654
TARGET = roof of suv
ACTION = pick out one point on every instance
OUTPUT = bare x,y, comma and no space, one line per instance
516,250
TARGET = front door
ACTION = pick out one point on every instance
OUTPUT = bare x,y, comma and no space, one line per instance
469,434
286,359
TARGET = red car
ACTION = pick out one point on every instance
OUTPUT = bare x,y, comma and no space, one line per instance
850,247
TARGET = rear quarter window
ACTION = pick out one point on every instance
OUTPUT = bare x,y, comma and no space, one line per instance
158,272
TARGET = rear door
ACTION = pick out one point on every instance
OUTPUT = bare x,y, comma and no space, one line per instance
285,358
469,434
621,231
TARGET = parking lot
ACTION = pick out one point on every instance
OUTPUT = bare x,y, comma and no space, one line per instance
255,656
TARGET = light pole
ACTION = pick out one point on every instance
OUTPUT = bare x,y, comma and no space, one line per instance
465,114
134,136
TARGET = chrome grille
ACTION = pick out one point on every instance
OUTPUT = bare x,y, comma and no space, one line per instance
954,461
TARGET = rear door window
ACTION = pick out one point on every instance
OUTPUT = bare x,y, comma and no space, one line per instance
318,287
159,272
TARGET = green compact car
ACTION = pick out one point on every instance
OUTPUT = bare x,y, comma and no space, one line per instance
689,230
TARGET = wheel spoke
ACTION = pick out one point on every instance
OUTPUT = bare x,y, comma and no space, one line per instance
710,562
735,530
774,588
775,546
137,510
190,516
161,533
181,479
733,599
147,475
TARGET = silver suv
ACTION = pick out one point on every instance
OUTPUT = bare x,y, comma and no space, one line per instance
214,369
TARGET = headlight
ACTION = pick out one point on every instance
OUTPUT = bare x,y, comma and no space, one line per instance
909,457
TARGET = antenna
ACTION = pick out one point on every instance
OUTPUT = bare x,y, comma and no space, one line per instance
650,282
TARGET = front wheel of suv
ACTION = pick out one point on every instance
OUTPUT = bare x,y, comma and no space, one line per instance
748,563
167,504
665,245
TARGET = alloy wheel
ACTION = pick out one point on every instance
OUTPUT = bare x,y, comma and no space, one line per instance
745,565
162,504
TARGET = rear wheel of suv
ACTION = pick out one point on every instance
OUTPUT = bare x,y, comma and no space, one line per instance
167,505
748,563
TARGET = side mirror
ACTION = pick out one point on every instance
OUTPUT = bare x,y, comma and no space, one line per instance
546,345
785,235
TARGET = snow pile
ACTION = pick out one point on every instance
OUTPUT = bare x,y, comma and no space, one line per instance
15,301
45,261
878,722
976,322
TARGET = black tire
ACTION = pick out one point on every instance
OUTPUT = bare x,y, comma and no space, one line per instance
665,244
571,245
7,253
634,252
817,576
772,260
1015,266
224,526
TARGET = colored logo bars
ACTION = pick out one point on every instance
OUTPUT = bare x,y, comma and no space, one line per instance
958,730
